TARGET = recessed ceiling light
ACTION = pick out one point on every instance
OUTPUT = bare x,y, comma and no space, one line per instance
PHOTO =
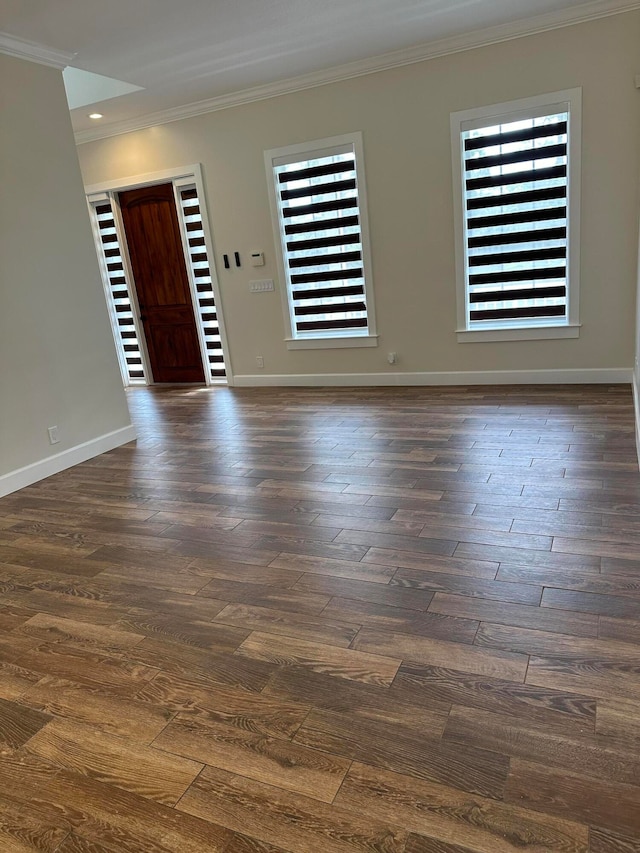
95,115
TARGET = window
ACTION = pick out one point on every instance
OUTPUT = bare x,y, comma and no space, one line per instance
190,213
117,291
516,168
319,211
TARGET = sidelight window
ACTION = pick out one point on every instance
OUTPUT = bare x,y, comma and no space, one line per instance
199,268
117,291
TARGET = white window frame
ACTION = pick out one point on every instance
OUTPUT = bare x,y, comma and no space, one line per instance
308,150
567,99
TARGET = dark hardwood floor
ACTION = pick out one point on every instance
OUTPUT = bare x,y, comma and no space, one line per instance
329,621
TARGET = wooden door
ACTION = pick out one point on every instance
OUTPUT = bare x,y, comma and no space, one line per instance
157,260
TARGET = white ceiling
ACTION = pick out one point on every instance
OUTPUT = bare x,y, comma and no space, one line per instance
184,51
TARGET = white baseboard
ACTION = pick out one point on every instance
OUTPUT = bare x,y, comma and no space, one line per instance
636,405
473,377
22,477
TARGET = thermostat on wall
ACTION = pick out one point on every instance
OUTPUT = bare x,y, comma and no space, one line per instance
257,259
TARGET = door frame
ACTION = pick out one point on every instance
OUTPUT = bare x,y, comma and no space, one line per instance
179,177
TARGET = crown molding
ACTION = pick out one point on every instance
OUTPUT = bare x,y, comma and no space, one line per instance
408,56
34,52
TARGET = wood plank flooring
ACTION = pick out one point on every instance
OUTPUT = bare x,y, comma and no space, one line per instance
329,621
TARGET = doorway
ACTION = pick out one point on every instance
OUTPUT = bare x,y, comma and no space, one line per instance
159,276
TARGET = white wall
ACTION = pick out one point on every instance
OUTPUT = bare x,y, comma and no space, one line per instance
404,116
57,358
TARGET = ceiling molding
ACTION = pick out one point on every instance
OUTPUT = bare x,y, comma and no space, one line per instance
408,56
34,52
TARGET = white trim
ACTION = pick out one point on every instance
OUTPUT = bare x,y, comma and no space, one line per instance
570,376
531,333
332,343
574,204
132,182
327,147
321,148
501,113
395,59
34,51
37,471
191,174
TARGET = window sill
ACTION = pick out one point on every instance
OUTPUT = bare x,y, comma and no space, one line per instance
531,333
332,343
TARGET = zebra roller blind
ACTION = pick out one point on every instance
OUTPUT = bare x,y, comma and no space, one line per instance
515,197
200,269
321,232
118,295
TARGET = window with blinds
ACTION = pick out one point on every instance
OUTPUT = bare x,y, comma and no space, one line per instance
516,182
118,297
318,205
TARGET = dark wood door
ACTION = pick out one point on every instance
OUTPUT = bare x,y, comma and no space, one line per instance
157,259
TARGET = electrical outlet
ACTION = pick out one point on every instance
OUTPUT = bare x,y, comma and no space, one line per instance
392,357
260,361
53,434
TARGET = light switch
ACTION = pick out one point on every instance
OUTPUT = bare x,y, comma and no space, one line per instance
261,286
